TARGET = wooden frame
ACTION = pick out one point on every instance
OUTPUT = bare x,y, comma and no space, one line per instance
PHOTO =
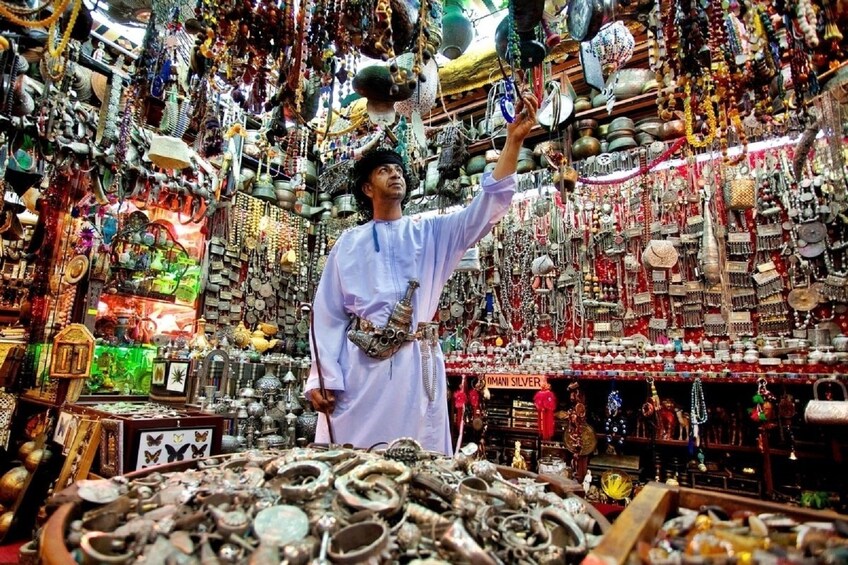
160,369
73,353
111,447
177,376
81,455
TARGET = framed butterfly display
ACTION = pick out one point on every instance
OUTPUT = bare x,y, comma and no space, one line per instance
160,447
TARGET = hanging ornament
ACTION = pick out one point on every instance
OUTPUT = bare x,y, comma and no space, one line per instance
546,403
604,55
763,410
459,400
457,30
423,98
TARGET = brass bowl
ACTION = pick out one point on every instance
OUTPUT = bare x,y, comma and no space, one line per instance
6,523
618,134
649,120
25,449
650,85
35,458
651,127
599,100
603,130
621,144
673,129
475,164
622,122
525,153
631,81
643,138
525,165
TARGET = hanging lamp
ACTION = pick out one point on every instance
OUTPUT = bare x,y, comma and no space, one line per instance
457,30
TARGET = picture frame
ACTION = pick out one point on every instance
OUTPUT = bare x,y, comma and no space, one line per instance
177,377
160,369
86,443
111,447
66,427
162,446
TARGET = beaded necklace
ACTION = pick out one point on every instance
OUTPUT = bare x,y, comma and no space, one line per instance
13,13
57,50
698,409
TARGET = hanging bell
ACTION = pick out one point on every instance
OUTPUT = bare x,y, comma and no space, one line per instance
264,189
457,30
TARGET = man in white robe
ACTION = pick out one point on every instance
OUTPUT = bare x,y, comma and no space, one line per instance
377,400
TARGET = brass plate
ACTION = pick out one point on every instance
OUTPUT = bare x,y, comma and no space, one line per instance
590,441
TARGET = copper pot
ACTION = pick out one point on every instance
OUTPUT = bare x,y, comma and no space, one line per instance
12,483
672,130
586,146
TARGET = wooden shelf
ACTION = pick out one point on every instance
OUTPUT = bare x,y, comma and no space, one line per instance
707,376
473,103
685,444
621,108
512,430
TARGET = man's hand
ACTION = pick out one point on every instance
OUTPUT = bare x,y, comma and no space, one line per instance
525,117
323,402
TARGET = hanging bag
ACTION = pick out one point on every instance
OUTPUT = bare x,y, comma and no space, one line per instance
827,412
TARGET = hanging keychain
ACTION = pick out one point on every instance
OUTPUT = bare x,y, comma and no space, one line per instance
507,101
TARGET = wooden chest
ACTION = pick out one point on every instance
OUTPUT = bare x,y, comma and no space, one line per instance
657,502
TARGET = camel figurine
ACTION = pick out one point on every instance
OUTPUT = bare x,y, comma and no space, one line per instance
684,422
716,425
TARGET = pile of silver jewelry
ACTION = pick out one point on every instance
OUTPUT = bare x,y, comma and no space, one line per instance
308,505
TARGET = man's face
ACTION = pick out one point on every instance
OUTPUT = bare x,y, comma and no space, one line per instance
385,183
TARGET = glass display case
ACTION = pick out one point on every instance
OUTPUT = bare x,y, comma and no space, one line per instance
121,370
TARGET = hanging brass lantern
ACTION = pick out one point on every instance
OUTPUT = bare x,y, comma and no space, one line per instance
457,30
